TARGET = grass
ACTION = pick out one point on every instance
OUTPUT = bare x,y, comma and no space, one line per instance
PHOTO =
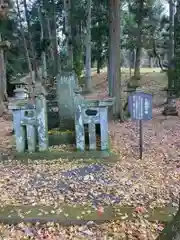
77,214
88,156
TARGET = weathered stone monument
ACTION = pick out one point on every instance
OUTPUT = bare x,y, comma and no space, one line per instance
21,91
66,83
52,109
30,122
92,112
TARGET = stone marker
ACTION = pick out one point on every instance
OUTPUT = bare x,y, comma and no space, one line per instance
92,112
66,83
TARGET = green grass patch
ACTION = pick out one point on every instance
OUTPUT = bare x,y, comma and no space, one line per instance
87,156
77,214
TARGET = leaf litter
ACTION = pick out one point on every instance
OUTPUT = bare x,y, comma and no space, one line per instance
150,182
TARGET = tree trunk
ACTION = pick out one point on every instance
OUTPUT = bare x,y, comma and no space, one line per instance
34,63
98,66
171,43
177,48
137,61
114,68
139,41
170,107
54,38
48,17
50,38
2,80
99,56
150,61
43,54
68,33
130,63
32,77
3,71
88,83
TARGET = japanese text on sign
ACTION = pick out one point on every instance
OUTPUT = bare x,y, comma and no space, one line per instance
140,106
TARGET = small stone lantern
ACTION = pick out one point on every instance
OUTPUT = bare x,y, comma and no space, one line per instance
21,91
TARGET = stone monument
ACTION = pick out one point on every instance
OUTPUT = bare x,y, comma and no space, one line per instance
66,83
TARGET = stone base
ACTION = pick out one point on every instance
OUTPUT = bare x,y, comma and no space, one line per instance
170,111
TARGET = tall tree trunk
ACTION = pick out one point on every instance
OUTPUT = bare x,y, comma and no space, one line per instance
54,38
177,47
149,61
171,43
48,17
43,54
139,40
99,56
50,39
114,68
130,62
3,65
98,65
88,83
3,71
170,107
32,77
68,33
34,63
2,80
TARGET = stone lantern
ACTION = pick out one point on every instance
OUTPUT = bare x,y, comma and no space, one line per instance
21,91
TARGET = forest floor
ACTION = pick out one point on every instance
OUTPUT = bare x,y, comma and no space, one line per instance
141,185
